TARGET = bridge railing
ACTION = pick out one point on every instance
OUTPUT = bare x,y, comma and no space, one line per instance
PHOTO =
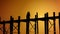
28,19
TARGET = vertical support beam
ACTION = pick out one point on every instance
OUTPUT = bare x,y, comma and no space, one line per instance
27,23
36,24
11,25
4,28
35,27
59,22
46,23
54,22
18,24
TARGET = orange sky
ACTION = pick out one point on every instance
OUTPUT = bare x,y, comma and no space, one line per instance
17,8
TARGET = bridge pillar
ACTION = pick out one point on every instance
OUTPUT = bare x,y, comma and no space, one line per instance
11,25
4,28
27,23
54,22
36,24
59,22
46,23
18,24
35,27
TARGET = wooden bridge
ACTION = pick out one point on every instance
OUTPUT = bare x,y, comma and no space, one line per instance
28,19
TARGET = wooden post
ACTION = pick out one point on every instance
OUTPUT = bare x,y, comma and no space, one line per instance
27,23
35,24
46,23
11,25
54,22
59,22
4,28
18,24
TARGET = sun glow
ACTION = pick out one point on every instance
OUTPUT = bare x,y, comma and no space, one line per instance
20,8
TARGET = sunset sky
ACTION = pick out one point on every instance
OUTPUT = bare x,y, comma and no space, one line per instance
17,8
